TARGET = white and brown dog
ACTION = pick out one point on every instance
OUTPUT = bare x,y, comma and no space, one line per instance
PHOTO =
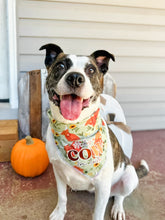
85,152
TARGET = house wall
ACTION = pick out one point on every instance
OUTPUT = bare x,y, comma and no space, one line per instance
134,31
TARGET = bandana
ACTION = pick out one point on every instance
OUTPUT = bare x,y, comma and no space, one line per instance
82,145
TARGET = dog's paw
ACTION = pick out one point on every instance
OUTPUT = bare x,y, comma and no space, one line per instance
57,214
117,212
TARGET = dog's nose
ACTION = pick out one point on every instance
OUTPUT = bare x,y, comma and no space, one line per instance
75,79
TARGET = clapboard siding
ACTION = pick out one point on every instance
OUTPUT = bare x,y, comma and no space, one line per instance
117,47
139,4
134,31
140,79
122,64
146,122
112,14
91,30
136,94
137,109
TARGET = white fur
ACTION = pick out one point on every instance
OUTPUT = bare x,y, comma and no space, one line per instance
86,91
66,175
123,180
144,163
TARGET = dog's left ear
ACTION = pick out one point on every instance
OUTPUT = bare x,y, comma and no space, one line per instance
52,51
102,58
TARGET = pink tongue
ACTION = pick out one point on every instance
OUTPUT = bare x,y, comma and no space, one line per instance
71,107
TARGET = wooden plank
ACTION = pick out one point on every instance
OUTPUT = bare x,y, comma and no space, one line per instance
5,149
90,12
35,104
72,45
29,27
8,130
8,123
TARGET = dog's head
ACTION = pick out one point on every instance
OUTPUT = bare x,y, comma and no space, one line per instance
74,83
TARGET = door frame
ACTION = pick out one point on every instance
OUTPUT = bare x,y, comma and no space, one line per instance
12,52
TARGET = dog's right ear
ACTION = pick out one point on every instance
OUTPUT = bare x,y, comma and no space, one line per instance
52,51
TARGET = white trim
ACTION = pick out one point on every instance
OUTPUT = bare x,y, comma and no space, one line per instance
12,51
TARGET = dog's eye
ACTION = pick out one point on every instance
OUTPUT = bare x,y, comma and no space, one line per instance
90,70
60,67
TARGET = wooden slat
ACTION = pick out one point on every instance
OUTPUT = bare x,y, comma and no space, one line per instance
8,123
5,149
8,129
35,104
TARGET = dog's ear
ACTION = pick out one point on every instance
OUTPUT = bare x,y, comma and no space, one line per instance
102,58
52,51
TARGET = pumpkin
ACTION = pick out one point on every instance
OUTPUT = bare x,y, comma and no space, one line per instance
29,157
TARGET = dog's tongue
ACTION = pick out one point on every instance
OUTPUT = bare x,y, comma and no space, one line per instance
71,106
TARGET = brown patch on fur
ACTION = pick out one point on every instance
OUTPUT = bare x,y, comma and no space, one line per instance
141,171
97,79
61,56
102,81
118,154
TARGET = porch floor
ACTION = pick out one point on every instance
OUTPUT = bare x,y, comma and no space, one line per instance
35,198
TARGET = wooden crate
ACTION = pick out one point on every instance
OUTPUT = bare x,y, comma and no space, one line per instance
8,137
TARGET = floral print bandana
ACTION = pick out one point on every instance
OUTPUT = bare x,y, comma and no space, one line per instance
82,145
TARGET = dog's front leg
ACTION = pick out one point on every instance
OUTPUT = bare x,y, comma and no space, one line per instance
102,194
60,210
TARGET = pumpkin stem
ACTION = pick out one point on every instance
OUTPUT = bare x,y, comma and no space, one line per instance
29,140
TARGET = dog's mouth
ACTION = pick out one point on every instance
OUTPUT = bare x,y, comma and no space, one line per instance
70,105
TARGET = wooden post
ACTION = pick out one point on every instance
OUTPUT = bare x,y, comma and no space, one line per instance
35,107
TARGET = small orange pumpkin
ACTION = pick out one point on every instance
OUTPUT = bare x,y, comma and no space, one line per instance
29,157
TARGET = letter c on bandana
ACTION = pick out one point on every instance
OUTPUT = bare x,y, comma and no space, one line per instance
73,155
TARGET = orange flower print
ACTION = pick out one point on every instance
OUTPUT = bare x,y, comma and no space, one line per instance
54,121
73,146
56,134
97,148
72,126
56,142
95,151
78,168
96,164
68,148
92,120
103,123
99,142
69,136
53,131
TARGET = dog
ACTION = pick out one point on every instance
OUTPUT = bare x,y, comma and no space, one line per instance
81,143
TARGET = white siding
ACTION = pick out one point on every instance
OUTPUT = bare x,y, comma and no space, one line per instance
134,31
